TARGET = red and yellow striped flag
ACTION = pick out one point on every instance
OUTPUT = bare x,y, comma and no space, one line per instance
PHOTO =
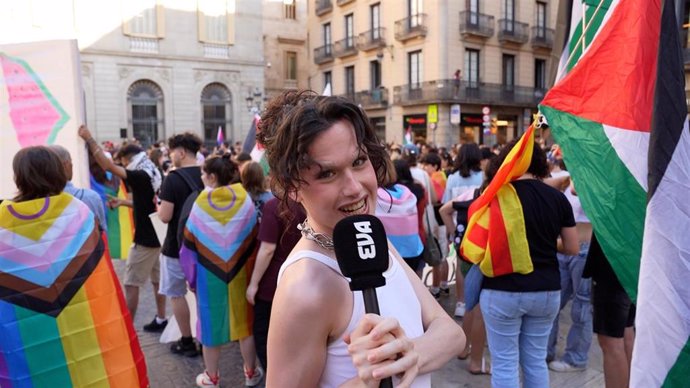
496,238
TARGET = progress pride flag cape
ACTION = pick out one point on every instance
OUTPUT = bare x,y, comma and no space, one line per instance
63,317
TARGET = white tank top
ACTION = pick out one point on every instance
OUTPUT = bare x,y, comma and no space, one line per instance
578,212
338,367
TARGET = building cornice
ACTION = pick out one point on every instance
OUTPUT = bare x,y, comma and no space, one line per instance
159,57
293,41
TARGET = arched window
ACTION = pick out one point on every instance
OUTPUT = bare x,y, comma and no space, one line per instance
145,102
217,113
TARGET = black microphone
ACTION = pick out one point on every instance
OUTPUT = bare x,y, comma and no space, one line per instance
361,249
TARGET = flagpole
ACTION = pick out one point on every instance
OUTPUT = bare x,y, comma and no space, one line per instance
584,27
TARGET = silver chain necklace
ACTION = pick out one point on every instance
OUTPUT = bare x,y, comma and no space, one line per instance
323,240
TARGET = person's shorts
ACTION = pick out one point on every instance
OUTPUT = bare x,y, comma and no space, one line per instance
612,311
142,264
173,283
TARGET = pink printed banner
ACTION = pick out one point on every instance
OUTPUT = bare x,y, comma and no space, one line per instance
42,104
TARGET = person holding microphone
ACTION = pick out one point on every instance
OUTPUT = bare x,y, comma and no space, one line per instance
324,154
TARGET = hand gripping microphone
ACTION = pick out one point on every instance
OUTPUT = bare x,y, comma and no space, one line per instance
361,249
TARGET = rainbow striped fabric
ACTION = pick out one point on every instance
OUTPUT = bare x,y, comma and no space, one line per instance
496,238
63,317
396,207
120,220
218,257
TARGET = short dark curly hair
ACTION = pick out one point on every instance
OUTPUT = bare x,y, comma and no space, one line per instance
189,141
291,123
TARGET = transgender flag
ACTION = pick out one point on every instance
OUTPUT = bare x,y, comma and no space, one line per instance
220,138
397,209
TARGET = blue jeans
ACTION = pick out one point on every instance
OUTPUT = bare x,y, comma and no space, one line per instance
580,290
517,328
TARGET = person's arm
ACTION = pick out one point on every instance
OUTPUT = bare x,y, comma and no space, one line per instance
446,212
568,243
99,155
115,202
304,310
263,258
395,357
165,211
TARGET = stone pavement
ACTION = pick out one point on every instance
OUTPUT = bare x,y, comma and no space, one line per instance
167,370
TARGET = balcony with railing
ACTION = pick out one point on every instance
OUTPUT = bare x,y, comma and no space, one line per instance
542,37
323,6
143,45
511,31
372,99
411,27
372,39
345,47
323,54
476,24
467,92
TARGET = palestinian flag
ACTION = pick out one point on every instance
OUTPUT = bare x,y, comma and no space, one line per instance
496,238
586,19
63,318
621,119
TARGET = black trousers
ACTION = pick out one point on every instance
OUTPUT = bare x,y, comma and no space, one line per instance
262,317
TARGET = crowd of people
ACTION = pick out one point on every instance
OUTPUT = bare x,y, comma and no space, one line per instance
256,249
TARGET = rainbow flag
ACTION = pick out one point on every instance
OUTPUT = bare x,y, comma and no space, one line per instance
218,257
120,221
63,317
496,238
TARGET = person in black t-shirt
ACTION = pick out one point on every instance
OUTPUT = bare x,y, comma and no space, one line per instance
613,316
178,185
143,180
518,309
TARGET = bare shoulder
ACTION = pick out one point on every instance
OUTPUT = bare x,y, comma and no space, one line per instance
309,288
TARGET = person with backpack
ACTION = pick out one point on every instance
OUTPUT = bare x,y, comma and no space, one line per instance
184,180
253,180
218,256
400,206
472,321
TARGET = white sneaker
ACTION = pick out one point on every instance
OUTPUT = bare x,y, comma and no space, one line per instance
460,309
253,378
205,381
562,366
